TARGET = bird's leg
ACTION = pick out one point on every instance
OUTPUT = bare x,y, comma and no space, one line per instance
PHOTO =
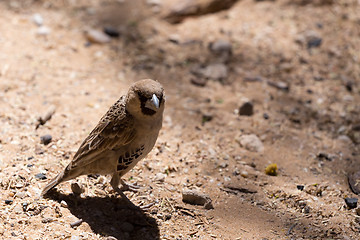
128,187
115,185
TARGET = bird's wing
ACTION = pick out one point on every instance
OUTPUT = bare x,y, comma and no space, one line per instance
115,129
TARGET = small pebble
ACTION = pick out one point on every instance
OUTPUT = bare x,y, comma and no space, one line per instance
77,189
96,36
8,202
300,187
314,42
200,82
20,194
63,204
196,198
206,117
40,176
358,211
76,224
112,32
220,46
247,109
160,177
351,202
251,142
47,220
38,19
46,139
43,31
244,174
353,179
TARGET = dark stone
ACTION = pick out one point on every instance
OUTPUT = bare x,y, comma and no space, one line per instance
351,202
40,176
354,180
300,187
266,116
247,109
324,156
46,139
8,201
201,82
24,206
314,42
206,118
112,32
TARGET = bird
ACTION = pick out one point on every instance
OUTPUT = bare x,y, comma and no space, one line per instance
123,136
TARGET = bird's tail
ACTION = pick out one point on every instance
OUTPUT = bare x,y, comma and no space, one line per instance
55,181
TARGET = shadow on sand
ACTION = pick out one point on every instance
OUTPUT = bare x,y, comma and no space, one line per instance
109,216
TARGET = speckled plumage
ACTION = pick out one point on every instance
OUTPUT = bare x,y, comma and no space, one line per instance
123,136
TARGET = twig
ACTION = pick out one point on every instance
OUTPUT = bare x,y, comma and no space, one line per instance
173,209
290,229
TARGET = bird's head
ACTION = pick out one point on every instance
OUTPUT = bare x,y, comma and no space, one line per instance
145,99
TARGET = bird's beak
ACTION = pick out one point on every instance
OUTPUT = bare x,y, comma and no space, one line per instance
153,103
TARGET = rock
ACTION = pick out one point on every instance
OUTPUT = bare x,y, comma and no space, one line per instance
266,116
38,19
127,227
76,224
47,220
154,2
46,139
279,85
244,174
246,109
95,36
358,211
63,204
20,194
300,187
222,49
206,117
311,38
112,32
325,156
201,82
196,198
43,31
351,202
40,176
184,8
251,142
354,182
160,177
271,169
76,188
314,42
215,71
8,202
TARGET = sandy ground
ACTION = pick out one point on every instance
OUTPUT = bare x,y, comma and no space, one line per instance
307,125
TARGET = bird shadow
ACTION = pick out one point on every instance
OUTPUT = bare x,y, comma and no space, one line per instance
110,216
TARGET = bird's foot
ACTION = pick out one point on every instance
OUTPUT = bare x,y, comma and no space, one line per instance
129,187
130,204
